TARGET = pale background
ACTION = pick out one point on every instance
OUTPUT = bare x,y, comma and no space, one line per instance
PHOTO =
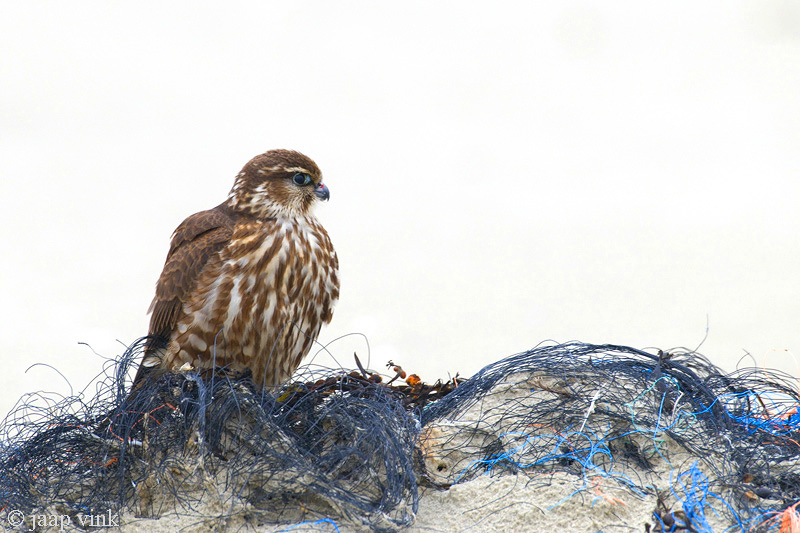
500,173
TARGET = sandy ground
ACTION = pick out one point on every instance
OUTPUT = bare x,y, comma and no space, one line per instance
483,504
556,503
611,491
588,500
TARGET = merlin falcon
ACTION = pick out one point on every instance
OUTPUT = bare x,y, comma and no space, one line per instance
248,284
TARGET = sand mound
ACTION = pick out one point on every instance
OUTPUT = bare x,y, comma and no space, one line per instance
569,437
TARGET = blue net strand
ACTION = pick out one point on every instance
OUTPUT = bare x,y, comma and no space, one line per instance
335,446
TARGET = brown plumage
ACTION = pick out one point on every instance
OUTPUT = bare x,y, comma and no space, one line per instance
248,284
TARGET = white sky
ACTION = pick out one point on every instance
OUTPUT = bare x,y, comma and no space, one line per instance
611,172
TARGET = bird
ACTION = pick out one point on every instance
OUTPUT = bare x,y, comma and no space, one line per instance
247,285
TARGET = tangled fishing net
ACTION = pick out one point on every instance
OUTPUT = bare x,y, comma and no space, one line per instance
334,449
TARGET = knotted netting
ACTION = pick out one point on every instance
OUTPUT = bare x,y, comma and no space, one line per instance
660,441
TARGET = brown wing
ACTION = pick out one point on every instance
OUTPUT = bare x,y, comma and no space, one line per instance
197,240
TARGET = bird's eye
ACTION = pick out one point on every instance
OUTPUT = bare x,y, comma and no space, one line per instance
301,179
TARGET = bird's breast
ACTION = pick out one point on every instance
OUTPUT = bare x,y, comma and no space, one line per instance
280,272
262,303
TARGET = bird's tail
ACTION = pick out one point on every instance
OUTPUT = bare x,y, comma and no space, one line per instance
154,352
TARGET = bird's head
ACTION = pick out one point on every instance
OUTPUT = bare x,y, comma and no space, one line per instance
278,183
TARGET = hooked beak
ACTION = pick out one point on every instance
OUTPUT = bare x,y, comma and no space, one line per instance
322,192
